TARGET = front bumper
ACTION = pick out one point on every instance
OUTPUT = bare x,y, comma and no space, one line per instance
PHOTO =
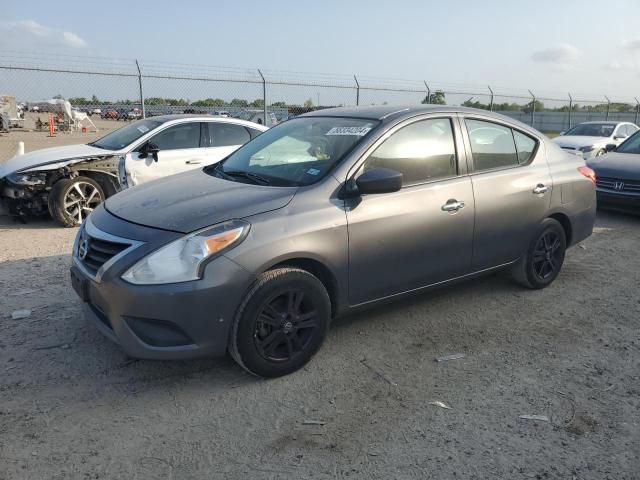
618,200
173,321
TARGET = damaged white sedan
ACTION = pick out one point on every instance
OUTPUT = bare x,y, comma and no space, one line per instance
69,182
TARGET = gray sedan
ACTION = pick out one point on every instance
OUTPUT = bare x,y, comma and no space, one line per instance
321,215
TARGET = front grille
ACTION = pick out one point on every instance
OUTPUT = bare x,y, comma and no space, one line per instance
93,252
618,184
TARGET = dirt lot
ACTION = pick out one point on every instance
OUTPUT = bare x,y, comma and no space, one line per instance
35,140
72,405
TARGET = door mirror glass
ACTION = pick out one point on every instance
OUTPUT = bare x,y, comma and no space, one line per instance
379,180
611,147
149,149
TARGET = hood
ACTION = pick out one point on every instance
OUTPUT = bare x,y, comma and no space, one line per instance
576,141
49,155
193,200
617,165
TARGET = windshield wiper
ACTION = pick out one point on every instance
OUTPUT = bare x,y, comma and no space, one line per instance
254,177
93,144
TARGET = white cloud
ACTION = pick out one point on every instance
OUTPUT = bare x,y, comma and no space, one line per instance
31,34
560,55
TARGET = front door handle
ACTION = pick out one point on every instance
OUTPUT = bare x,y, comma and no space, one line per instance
193,161
540,188
452,205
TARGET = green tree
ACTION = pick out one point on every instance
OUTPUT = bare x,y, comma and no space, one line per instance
279,104
308,103
529,106
239,102
436,98
258,102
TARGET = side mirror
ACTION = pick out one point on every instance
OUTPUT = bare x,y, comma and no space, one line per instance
149,149
611,147
379,180
562,133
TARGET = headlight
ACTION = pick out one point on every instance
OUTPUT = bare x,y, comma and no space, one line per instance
183,260
28,178
586,149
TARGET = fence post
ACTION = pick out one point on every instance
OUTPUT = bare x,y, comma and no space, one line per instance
264,98
428,92
570,108
144,113
608,107
491,102
637,110
533,109
357,90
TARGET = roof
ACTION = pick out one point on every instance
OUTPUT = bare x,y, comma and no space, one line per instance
609,122
204,116
393,113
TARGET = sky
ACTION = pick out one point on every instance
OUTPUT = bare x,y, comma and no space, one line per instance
550,47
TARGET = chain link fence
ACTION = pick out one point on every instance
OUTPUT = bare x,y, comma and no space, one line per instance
125,89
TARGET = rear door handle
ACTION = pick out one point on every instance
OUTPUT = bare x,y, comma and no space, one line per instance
452,205
540,188
193,161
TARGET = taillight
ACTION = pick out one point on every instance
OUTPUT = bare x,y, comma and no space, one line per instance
589,173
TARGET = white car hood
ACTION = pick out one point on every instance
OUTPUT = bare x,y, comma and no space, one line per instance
50,155
575,141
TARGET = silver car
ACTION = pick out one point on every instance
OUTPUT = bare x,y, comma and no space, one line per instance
319,216
590,139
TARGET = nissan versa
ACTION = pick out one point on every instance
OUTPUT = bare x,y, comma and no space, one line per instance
324,213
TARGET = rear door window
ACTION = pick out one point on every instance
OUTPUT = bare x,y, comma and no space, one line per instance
525,146
492,145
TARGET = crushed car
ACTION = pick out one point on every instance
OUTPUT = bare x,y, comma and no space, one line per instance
69,182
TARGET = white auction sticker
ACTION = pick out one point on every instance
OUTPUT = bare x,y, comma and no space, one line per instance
143,129
354,131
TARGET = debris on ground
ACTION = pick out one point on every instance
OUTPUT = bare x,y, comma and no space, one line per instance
25,291
446,358
440,404
382,375
540,418
18,314
313,422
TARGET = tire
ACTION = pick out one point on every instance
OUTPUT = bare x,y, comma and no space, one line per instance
542,262
266,338
72,199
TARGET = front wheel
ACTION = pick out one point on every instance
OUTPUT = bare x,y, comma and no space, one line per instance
71,200
541,263
281,323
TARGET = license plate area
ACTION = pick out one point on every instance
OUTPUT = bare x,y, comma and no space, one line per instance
79,284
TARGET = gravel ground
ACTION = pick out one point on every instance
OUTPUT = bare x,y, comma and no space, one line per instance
72,405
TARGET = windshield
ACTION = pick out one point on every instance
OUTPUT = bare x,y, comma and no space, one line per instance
298,152
592,130
631,144
126,135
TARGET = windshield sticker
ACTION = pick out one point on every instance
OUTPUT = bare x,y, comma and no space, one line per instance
313,171
351,131
143,129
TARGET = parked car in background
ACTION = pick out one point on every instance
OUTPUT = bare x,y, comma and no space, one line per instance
257,116
320,215
110,114
590,139
134,114
70,182
96,111
618,175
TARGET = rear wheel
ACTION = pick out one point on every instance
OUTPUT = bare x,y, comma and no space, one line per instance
71,200
281,323
542,262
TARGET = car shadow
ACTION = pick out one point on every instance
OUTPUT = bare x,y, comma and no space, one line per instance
28,223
